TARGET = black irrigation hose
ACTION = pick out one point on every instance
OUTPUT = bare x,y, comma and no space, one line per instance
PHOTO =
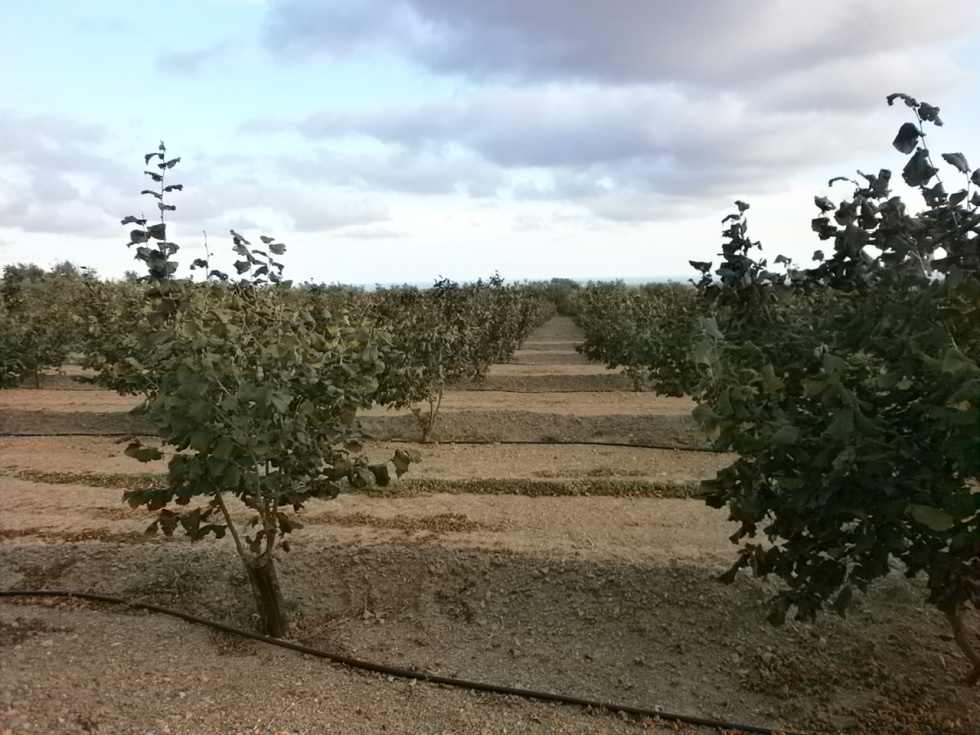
482,442
533,392
30,435
402,673
475,442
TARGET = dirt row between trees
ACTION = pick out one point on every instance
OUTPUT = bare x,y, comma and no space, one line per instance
469,569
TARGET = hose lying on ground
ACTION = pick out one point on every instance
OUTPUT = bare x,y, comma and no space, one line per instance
475,442
402,673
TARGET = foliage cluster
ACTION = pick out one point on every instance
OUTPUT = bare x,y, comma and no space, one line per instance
849,390
649,331
37,331
254,398
854,404
561,292
253,383
447,334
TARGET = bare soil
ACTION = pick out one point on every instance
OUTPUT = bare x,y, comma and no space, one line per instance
612,598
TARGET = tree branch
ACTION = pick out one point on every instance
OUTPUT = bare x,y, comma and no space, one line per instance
239,546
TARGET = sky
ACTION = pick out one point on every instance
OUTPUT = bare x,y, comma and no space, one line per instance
391,141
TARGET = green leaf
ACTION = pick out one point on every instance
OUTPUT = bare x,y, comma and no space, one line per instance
223,448
841,426
786,434
707,419
287,524
281,401
934,518
201,440
362,477
403,459
958,160
168,521
728,577
142,453
157,231
381,476
959,365
918,171
962,506
958,197
833,365
191,522
704,353
814,386
907,139
232,477
824,204
887,381
770,383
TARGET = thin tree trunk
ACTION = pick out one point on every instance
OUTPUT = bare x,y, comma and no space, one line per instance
430,421
962,638
269,602
268,596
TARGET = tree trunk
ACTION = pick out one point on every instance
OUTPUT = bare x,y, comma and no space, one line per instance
268,596
962,638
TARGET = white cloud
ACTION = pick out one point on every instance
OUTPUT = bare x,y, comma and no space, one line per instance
446,127
617,41
422,173
631,109
193,61
583,143
372,233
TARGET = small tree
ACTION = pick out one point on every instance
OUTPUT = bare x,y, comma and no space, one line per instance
253,398
433,345
647,331
37,318
851,393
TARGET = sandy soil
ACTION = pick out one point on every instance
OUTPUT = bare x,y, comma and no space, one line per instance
605,597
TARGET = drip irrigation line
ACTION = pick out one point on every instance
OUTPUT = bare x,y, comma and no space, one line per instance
403,673
29,435
536,392
474,442
542,442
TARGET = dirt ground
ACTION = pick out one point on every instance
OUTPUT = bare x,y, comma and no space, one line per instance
610,597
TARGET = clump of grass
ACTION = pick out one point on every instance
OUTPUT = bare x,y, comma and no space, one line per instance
589,486
118,480
537,487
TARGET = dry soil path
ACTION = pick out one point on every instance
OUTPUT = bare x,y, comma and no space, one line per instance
604,597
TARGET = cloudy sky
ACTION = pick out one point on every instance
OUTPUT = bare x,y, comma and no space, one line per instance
401,140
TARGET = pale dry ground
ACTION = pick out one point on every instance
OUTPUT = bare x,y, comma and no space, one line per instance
65,401
439,461
584,403
607,597
573,367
